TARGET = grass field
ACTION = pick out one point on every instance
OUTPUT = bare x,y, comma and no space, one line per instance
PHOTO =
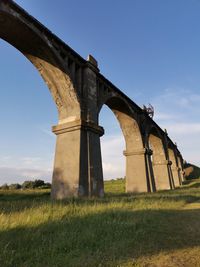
160,229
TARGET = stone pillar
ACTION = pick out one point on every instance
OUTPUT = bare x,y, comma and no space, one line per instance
95,171
77,166
171,180
175,173
181,172
137,179
161,174
174,167
151,180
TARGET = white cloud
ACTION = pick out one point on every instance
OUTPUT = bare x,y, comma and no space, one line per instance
174,101
184,128
47,132
26,162
178,111
17,169
112,156
159,116
17,175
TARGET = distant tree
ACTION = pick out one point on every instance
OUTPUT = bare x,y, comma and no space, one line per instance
38,183
120,178
15,186
4,187
46,186
28,185
35,184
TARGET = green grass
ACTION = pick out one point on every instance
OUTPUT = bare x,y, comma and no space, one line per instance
160,229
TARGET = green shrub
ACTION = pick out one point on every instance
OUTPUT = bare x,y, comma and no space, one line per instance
46,186
38,183
15,186
28,185
4,187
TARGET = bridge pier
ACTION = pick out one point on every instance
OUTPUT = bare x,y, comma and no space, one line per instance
181,175
79,91
137,176
174,167
181,172
77,165
175,174
161,174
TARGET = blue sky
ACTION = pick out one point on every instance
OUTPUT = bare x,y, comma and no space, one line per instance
148,48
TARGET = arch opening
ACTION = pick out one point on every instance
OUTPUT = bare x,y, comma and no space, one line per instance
112,146
28,37
27,113
136,172
63,76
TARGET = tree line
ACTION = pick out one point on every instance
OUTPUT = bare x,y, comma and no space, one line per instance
39,184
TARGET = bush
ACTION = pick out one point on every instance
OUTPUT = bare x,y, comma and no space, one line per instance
46,186
15,186
191,171
4,187
28,185
38,183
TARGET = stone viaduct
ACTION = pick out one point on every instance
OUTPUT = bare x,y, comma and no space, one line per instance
79,91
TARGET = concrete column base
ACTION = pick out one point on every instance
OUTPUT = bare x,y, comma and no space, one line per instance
182,176
77,165
136,171
175,173
161,174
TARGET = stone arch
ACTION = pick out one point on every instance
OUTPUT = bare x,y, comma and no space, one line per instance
79,90
159,159
136,168
174,166
29,38
128,123
59,72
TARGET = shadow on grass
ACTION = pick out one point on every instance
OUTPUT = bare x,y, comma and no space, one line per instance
101,239
195,185
24,200
15,195
15,201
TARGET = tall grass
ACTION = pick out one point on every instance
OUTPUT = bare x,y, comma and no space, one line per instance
157,229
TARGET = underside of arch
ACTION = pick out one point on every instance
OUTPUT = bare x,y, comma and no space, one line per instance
17,30
128,123
156,145
137,177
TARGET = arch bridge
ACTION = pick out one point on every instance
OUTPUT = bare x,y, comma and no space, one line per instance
79,91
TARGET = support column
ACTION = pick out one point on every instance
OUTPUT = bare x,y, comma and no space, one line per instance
77,165
171,179
161,174
137,179
181,172
151,181
182,176
175,172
